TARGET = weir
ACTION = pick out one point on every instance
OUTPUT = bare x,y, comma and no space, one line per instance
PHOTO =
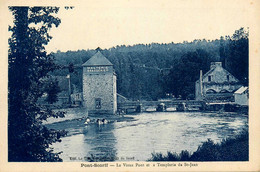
160,106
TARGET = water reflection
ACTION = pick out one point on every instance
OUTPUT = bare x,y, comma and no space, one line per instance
103,141
148,133
86,143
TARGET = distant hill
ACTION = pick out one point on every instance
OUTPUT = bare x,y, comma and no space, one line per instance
149,71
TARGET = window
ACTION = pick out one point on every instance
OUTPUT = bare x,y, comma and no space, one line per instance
227,77
98,103
209,78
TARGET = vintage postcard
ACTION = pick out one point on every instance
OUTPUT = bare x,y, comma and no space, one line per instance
130,85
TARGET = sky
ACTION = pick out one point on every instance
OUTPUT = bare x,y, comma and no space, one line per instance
106,24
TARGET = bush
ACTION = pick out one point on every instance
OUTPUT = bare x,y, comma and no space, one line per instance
183,156
230,149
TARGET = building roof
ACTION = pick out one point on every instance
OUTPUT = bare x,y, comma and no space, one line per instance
123,97
241,90
212,69
98,60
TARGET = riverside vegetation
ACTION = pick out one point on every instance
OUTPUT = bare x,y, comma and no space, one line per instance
231,149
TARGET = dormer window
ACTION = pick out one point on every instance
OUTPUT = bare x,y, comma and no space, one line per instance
209,78
227,77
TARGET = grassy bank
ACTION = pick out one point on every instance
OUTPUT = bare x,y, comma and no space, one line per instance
230,149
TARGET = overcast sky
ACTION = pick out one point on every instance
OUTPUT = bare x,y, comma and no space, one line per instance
126,22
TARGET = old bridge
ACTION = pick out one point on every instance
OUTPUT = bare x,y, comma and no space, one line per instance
173,105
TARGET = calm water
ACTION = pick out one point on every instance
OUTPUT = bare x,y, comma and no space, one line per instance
148,133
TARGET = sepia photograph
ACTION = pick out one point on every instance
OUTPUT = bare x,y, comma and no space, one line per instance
131,84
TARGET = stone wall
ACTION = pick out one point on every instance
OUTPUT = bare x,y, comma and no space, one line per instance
114,94
99,85
198,95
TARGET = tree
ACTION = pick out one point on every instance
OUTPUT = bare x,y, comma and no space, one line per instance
223,51
237,61
185,72
28,139
52,89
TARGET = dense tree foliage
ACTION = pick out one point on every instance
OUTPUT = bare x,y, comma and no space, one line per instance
186,71
237,61
150,71
29,64
52,89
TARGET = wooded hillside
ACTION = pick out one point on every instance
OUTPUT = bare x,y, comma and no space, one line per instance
150,71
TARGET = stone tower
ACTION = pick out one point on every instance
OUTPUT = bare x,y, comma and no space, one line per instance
99,85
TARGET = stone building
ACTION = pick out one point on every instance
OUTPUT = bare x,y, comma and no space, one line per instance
99,85
76,98
216,85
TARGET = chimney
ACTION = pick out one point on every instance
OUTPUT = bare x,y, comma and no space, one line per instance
201,92
98,49
215,64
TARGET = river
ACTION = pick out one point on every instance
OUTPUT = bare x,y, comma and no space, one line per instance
135,140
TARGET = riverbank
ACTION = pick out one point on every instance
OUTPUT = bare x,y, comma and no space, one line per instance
82,114
230,149
225,107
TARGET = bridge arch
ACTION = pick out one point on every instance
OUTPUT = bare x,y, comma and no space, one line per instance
211,91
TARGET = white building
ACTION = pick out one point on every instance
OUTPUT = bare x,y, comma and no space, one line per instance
241,96
216,85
